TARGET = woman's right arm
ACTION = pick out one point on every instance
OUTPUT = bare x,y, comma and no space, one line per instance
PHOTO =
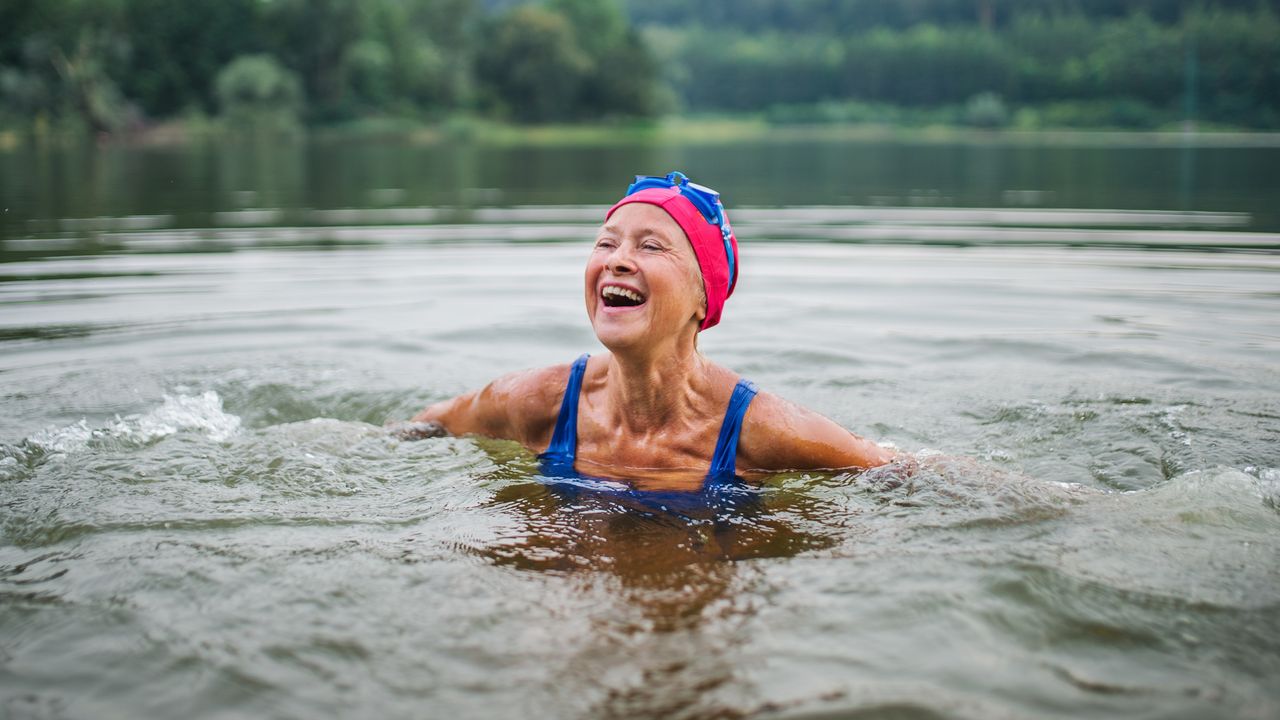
520,406
480,412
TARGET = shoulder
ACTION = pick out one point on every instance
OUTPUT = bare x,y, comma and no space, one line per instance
779,435
530,387
530,398
520,406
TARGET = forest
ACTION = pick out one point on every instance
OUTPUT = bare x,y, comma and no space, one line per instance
108,66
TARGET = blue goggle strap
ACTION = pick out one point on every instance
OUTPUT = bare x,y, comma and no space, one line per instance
706,200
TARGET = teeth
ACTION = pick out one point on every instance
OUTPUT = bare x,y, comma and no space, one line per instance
622,292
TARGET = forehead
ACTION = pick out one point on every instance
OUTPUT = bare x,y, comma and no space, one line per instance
639,218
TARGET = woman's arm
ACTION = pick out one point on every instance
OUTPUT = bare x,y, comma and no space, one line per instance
480,412
518,406
778,435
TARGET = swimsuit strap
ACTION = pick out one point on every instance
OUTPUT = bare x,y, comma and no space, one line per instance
724,461
564,442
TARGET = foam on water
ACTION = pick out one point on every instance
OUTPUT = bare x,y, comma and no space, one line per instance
68,439
201,413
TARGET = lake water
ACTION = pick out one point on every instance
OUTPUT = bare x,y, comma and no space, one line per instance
200,515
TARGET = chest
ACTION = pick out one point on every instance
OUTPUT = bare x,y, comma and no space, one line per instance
675,457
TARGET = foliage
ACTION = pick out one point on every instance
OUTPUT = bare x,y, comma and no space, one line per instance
256,92
59,71
175,50
986,110
107,65
568,60
1123,113
1124,69
845,112
532,65
852,17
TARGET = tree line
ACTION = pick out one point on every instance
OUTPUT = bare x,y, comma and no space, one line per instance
1140,63
111,64
108,65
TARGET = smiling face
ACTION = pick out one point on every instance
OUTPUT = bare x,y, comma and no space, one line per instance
642,280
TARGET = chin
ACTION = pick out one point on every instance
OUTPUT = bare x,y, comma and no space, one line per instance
620,338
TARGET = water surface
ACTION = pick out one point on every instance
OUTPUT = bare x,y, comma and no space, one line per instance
200,514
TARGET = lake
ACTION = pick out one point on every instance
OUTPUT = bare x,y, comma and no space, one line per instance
201,515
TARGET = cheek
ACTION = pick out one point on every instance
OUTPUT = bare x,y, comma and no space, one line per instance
590,275
683,291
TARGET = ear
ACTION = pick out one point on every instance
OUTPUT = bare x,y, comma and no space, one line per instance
700,313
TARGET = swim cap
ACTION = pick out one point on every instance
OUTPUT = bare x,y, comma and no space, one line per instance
707,229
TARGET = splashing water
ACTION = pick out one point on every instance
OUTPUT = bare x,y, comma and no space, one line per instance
181,413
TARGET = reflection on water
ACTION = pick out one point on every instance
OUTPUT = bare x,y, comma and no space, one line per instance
681,591
87,190
567,525
678,598
201,515
227,197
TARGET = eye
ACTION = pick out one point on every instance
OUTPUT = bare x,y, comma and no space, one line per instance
651,245
606,242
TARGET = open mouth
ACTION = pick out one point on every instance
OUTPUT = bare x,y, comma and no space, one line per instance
617,296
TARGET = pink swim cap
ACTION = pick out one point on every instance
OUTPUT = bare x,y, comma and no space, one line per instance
715,246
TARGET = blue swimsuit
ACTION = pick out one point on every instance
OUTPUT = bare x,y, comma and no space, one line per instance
557,461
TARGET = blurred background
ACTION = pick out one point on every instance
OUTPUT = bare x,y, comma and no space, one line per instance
134,66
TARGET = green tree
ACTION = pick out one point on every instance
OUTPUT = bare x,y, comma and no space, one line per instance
177,49
622,78
397,64
314,39
59,61
598,25
442,56
532,66
625,80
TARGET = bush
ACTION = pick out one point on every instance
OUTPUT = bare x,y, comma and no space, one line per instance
1117,113
256,92
854,112
986,110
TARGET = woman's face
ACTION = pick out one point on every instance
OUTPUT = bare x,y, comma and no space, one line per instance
642,280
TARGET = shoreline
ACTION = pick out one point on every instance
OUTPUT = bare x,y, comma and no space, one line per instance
667,130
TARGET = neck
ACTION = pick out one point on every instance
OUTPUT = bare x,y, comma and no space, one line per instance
651,391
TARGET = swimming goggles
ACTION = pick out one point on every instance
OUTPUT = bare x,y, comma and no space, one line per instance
706,200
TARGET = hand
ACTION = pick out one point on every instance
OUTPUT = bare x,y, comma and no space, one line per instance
892,474
415,430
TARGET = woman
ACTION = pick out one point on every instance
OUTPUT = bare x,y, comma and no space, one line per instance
653,411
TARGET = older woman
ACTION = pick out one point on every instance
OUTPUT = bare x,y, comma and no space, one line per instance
653,411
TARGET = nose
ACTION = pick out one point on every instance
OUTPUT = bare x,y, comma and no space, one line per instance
621,261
